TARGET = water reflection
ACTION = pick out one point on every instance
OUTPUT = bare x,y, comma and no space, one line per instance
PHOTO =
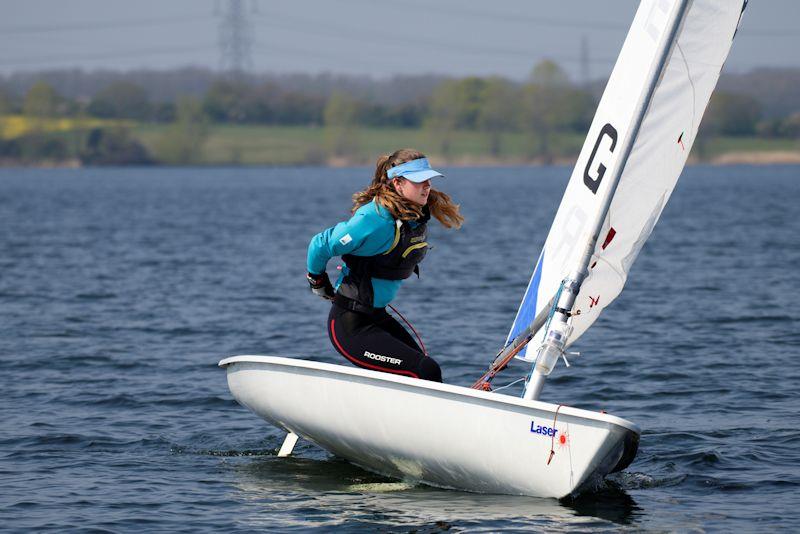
610,502
293,492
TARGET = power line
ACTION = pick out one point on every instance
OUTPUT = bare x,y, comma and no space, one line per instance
585,61
769,33
316,54
365,36
97,25
548,22
528,20
143,52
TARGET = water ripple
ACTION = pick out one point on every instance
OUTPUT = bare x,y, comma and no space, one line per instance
122,288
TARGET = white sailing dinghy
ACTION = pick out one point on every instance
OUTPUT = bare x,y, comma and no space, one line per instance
477,440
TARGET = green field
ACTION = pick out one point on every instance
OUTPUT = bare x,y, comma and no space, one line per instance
297,145
725,145
304,145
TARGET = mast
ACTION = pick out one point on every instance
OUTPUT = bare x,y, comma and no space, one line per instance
558,327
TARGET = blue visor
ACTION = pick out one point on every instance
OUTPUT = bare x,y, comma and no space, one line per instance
416,170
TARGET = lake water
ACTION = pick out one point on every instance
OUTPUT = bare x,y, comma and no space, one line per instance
121,289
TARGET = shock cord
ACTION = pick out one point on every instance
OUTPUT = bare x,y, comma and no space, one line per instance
421,344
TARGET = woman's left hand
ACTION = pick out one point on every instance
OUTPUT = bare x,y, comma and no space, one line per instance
320,285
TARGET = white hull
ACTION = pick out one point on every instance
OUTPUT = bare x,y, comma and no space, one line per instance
439,434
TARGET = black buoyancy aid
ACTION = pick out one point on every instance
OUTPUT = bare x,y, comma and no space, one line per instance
398,263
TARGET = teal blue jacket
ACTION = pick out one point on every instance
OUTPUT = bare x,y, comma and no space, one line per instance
369,232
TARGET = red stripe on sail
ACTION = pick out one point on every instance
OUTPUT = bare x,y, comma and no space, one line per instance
609,237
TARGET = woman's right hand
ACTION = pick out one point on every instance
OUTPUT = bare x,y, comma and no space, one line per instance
320,285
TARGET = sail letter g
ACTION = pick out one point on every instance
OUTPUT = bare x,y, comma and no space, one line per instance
593,183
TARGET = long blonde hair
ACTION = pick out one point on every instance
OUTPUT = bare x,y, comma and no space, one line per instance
383,192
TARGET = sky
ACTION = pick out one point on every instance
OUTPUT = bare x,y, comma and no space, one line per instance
379,38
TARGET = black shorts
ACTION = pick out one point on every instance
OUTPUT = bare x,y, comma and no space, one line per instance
377,341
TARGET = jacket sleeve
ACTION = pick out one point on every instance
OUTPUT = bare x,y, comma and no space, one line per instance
360,235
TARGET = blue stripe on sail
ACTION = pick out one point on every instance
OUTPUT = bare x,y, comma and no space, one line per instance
527,310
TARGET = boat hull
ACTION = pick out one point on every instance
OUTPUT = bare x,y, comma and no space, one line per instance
438,434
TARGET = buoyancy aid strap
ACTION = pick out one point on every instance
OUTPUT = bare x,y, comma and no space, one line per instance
352,305
412,248
397,225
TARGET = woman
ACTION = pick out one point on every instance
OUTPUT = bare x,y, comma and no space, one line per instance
381,245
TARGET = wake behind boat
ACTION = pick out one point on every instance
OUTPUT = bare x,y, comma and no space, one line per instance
476,440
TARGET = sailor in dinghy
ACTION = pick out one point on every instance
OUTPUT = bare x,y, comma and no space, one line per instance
454,437
381,245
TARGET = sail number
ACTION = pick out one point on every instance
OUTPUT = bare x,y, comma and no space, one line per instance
593,182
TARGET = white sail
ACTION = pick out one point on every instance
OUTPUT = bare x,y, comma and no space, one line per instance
698,50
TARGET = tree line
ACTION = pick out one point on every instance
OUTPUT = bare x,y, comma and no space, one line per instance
547,111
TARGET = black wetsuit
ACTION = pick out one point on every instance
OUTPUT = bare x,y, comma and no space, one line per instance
377,341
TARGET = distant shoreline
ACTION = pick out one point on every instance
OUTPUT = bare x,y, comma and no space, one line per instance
756,158
785,157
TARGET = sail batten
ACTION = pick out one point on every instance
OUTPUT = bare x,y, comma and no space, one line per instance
636,148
